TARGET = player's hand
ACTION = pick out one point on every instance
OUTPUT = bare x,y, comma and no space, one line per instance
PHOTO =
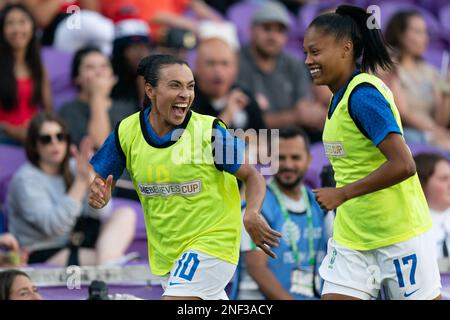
100,192
100,86
262,235
330,198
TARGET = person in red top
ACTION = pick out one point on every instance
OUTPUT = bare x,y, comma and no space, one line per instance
24,84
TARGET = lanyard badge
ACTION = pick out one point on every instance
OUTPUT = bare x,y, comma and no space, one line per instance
304,281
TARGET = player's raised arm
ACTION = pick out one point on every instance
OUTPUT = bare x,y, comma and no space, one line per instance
255,189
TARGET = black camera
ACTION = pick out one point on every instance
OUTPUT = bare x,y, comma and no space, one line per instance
327,177
98,290
177,38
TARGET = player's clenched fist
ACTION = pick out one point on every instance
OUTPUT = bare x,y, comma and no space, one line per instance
100,191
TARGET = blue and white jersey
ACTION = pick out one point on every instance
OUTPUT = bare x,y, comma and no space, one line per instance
369,110
107,159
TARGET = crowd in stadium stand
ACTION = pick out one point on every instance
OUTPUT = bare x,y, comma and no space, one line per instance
68,76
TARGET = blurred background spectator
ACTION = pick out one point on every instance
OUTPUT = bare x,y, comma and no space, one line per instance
434,174
10,252
24,85
163,15
177,42
17,285
422,96
47,205
94,113
72,24
131,44
216,92
281,83
290,208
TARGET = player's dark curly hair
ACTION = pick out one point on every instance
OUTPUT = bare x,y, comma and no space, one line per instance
352,23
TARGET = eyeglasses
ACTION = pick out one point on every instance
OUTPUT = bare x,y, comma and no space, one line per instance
47,138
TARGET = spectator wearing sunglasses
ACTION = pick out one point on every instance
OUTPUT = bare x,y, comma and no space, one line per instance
47,206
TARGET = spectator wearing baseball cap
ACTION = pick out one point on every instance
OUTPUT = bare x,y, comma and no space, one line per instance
272,12
132,42
280,82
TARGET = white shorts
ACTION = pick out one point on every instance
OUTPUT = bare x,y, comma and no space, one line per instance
407,270
196,274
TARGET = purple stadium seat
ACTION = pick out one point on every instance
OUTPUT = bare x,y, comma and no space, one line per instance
306,15
361,3
389,8
191,58
308,12
151,291
139,243
433,6
295,48
147,292
444,19
417,148
58,65
319,160
240,15
433,55
11,158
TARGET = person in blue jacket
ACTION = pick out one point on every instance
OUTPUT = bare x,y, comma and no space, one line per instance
291,209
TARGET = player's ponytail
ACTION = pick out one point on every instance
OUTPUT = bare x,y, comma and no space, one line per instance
352,22
150,66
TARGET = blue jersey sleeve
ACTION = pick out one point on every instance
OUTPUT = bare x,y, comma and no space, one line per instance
372,113
229,151
107,159
229,155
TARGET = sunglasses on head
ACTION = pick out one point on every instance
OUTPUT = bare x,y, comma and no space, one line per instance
47,138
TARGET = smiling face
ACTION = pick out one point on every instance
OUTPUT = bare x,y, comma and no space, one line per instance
326,57
294,160
173,95
18,29
51,144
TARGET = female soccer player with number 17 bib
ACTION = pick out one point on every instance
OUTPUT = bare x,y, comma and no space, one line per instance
381,236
